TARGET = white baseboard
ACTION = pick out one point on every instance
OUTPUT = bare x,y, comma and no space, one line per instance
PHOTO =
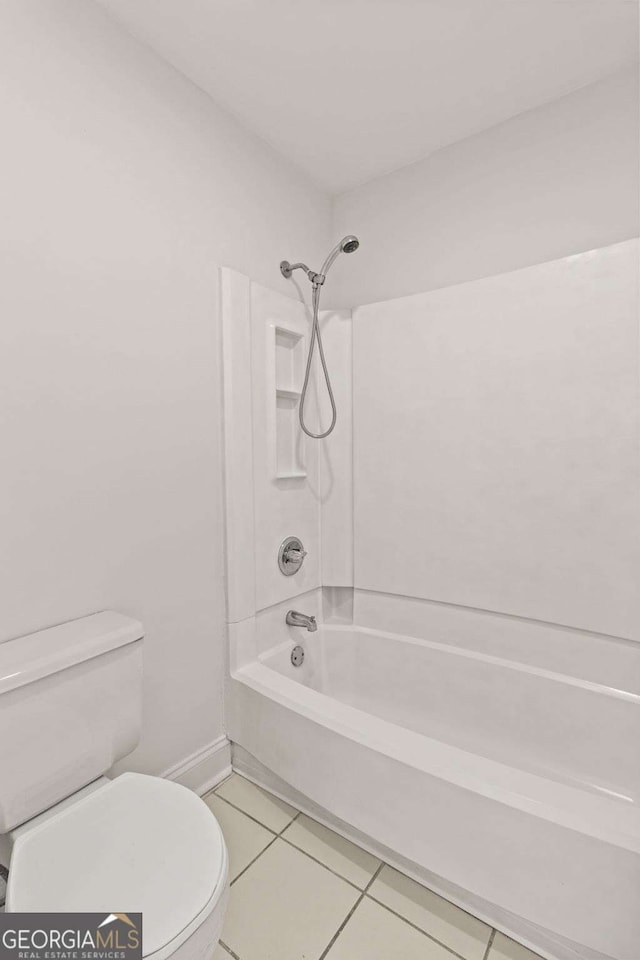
205,769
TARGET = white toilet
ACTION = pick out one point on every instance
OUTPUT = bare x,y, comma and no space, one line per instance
70,707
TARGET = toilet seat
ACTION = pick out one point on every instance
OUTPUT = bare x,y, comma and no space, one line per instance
138,844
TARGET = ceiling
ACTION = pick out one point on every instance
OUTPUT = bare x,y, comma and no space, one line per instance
351,89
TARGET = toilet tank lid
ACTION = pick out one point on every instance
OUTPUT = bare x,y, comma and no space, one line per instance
40,654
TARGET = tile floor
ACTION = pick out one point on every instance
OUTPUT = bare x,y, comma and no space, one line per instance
301,892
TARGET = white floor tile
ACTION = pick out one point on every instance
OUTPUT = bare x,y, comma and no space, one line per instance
350,861
286,907
221,954
372,933
454,927
269,810
244,838
505,949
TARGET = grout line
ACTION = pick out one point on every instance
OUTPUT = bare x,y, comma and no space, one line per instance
370,884
298,814
410,923
255,820
244,870
240,810
363,892
320,862
275,837
289,842
490,944
349,915
279,836
229,950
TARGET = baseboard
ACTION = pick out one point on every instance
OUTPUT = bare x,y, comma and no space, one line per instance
205,769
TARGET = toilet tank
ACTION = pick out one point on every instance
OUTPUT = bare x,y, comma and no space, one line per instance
70,706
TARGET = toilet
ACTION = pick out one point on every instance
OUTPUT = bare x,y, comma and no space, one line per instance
70,707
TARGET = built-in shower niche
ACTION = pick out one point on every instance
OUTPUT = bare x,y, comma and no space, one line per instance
289,359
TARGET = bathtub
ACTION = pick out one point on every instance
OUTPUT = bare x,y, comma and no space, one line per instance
508,787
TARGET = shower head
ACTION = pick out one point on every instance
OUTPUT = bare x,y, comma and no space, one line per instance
349,244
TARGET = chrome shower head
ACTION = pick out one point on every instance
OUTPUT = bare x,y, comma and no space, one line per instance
349,244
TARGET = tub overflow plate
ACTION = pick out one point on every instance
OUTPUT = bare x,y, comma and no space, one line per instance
297,656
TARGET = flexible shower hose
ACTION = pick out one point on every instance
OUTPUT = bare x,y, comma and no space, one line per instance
316,335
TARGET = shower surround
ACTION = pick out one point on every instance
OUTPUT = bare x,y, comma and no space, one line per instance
469,706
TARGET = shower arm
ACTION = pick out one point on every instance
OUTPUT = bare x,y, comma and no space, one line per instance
317,279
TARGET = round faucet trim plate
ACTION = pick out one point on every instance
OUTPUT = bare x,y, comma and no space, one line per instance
291,556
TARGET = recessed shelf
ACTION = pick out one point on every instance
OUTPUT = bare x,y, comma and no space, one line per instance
289,358
289,441
288,394
288,366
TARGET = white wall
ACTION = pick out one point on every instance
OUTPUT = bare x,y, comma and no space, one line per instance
556,180
122,189
496,456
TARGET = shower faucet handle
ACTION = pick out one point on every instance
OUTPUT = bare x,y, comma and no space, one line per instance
291,556
295,556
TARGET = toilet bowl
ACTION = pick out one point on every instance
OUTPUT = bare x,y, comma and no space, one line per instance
82,843
136,844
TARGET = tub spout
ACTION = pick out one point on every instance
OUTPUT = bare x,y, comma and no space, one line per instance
295,619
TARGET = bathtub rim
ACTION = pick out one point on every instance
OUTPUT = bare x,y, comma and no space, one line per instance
563,804
466,653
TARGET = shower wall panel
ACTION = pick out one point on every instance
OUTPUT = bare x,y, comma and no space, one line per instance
336,452
279,483
496,460
285,465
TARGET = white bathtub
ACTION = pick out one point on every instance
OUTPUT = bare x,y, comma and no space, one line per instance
507,786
